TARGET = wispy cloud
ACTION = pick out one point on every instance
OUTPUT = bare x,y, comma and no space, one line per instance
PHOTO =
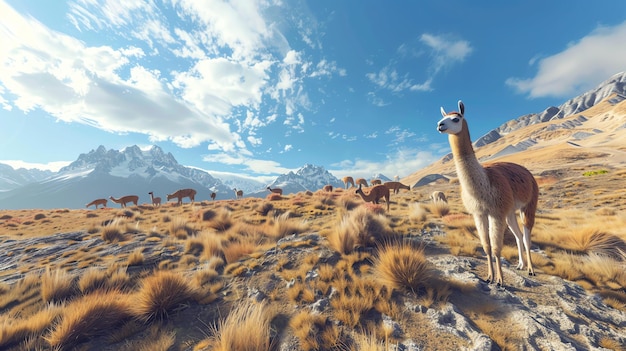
443,52
579,67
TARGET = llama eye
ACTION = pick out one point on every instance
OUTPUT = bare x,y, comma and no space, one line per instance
455,120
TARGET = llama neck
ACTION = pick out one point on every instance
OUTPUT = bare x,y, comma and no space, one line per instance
470,172
367,198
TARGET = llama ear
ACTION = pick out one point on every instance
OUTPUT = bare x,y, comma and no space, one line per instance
443,112
461,108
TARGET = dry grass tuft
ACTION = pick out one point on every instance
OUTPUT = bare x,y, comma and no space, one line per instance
359,228
418,212
314,331
403,266
14,329
180,228
113,232
222,221
440,208
594,241
283,225
90,316
161,293
253,319
264,208
57,285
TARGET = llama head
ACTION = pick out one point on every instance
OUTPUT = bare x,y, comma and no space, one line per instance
452,123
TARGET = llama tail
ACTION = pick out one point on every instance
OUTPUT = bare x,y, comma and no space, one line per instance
530,209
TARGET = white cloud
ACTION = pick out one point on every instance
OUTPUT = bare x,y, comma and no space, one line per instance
287,147
249,164
403,162
579,67
445,52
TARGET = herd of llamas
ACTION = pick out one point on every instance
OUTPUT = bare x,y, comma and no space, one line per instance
491,193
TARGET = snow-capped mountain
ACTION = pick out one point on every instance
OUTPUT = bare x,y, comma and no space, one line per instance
614,85
14,178
102,173
308,177
232,181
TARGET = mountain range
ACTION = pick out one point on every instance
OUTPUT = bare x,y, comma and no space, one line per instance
101,173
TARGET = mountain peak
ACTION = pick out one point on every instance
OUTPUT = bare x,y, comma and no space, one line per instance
616,84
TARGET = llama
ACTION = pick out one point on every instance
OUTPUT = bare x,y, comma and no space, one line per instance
238,193
376,182
348,180
396,186
362,181
278,191
181,194
156,201
213,195
438,196
492,194
377,192
125,199
97,202
328,188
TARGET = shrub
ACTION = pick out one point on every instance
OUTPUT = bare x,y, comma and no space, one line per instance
180,228
264,208
591,240
595,173
284,225
161,293
40,216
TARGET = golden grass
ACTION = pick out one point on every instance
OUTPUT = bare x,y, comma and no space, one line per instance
283,225
360,228
89,316
14,329
315,331
403,266
254,320
439,208
57,285
160,294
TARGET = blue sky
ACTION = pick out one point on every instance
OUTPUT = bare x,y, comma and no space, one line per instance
263,87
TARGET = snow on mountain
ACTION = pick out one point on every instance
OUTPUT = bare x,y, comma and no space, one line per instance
308,177
614,85
102,173
247,184
14,178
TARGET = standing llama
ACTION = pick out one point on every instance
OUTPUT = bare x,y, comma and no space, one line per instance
492,193
348,180
156,201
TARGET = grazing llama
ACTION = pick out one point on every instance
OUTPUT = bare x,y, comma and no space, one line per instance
156,201
213,195
97,202
438,196
125,199
492,193
377,192
181,194
348,180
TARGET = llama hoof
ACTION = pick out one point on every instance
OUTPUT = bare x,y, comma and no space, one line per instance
532,274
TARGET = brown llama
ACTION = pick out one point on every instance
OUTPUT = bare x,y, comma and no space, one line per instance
492,193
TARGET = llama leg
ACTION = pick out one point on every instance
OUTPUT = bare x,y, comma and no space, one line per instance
482,226
496,236
511,221
531,270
